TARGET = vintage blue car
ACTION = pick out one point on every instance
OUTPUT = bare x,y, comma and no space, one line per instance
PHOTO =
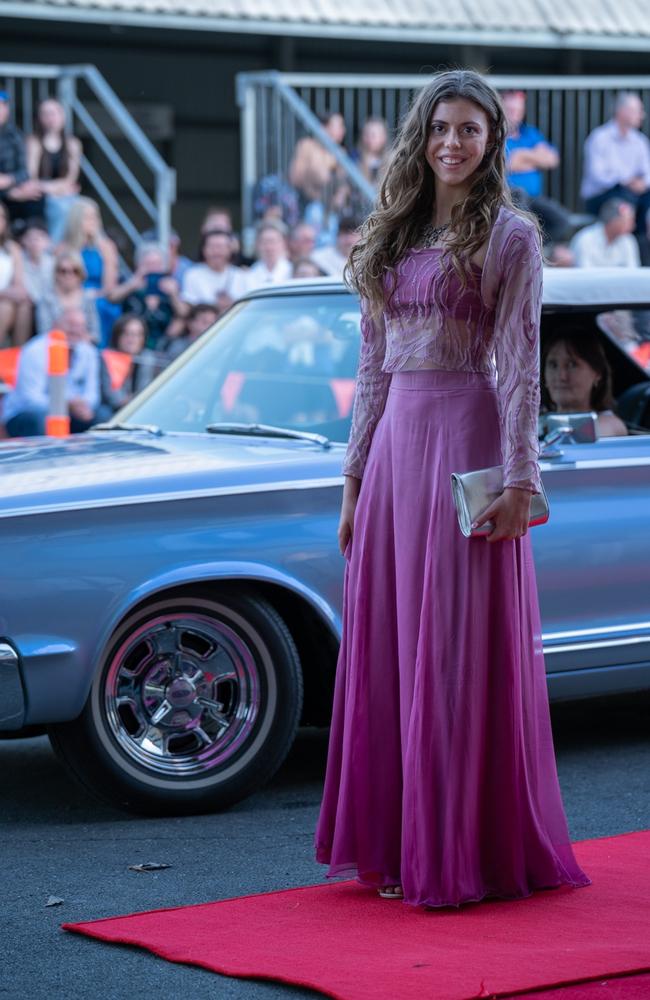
171,585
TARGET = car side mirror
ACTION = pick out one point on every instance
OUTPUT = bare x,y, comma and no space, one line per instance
572,428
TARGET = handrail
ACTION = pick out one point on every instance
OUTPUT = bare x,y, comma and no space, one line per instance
67,78
110,200
38,71
121,116
111,153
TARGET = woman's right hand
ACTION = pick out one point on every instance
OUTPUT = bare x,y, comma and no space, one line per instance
348,507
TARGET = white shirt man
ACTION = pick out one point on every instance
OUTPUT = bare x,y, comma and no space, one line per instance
261,274
216,280
202,284
614,153
608,242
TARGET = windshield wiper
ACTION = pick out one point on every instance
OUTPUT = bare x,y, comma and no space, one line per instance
267,430
148,428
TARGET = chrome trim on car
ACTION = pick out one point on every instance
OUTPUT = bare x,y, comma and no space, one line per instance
574,633
609,463
146,498
12,697
577,647
605,637
592,463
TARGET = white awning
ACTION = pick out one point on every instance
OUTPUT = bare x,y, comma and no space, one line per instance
534,23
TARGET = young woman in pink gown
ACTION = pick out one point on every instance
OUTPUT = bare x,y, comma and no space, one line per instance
441,784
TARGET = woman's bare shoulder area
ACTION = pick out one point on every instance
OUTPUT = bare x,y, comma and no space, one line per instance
610,425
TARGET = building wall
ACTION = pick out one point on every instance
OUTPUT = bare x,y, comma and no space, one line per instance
192,75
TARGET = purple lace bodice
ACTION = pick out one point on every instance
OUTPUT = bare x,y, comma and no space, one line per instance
492,326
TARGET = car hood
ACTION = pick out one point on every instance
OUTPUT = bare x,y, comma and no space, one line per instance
98,468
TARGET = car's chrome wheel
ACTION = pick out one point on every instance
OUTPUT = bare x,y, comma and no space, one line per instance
195,704
182,694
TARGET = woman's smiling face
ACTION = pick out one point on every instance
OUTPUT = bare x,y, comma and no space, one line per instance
458,138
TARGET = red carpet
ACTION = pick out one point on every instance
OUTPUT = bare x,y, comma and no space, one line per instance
343,940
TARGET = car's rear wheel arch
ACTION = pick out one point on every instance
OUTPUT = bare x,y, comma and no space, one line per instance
317,645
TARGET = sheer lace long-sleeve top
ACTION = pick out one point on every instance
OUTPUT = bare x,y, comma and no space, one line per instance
492,326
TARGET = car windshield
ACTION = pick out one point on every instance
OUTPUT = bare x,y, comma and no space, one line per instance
286,360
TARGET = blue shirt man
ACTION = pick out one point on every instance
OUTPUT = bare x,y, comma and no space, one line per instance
527,151
529,180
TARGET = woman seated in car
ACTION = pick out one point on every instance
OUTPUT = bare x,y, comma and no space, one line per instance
576,378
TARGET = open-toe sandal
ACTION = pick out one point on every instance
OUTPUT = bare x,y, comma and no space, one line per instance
391,892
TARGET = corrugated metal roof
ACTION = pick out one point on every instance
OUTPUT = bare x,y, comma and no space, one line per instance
494,17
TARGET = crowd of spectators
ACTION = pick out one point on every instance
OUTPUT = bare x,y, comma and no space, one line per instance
58,267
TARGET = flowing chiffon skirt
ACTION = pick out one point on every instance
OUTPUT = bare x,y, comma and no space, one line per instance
441,771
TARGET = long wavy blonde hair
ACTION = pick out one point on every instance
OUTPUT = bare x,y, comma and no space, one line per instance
406,198
74,235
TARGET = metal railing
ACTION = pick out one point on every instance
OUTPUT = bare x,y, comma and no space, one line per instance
82,90
277,109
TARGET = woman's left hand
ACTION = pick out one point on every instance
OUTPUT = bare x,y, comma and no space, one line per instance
509,514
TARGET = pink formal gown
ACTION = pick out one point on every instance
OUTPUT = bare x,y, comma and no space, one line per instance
441,771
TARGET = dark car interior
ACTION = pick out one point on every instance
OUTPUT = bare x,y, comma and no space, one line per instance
625,337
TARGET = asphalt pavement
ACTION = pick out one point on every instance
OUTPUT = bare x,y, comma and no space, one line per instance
56,841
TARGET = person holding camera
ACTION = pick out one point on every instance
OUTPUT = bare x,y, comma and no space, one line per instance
151,293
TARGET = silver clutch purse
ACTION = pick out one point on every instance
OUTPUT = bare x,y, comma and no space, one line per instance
473,493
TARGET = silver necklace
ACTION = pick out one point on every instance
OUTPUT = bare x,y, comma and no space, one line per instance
431,234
